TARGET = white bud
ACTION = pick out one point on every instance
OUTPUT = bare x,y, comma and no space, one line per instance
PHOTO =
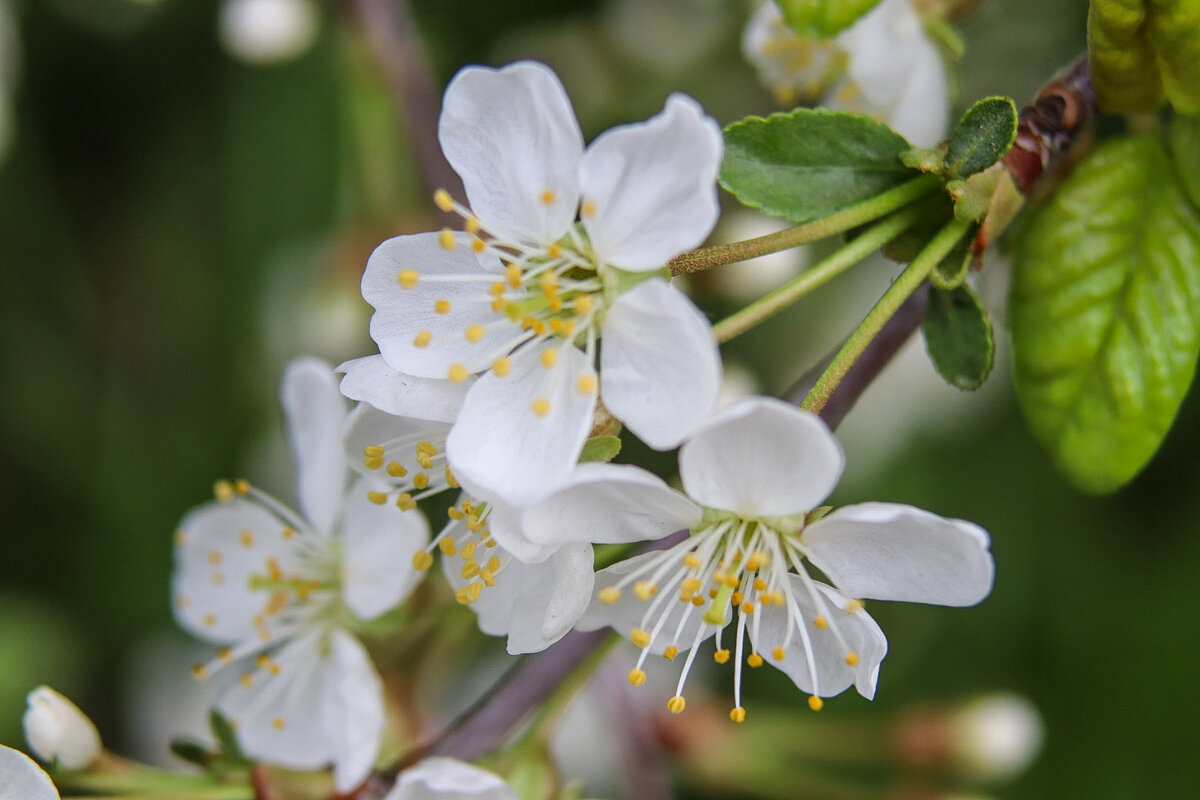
997,736
22,779
58,731
267,31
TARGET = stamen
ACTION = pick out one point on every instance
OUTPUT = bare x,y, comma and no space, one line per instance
422,339
502,366
405,502
640,638
721,656
754,660
446,239
738,714
609,594
442,306
852,659
474,333
548,196
422,561
637,677
408,278
589,209
378,498
548,358
223,490
585,384
815,703
670,652
457,373
443,200
540,407
676,704
396,469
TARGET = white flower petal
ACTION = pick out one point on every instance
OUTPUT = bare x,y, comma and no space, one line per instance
367,426
502,443
22,779
534,605
442,778
629,613
659,364
58,731
609,503
371,380
888,551
512,137
316,411
354,712
219,548
458,277
650,188
759,458
861,635
505,525
379,544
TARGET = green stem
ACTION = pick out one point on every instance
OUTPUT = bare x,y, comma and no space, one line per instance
850,254
866,211
127,778
912,277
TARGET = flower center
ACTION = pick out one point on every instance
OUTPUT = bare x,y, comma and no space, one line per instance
468,538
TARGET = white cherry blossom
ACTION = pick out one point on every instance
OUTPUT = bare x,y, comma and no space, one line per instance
22,779
440,778
279,591
884,65
754,477
562,247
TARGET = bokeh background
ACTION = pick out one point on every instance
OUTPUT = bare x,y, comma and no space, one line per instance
177,221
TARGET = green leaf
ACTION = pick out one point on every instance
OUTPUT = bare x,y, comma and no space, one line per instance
1183,135
226,736
1122,60
1104,313
822,19
808,164
601,448
193,752
982,136
952,270
1175,34
958,336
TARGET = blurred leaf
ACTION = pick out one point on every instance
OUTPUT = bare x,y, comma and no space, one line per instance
958,336
192,752
822,19
982,136
1105,297
1124,67
1183,135
808,164
601,448
226,736
1175,34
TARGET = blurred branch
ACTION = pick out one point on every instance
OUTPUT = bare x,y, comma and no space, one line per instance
397,45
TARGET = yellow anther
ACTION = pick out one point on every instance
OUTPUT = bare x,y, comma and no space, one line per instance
469,593
821,622
692,584
422,561
738,714
670,653
425,461
209,620
568,329
513,274
589,209
489,543
277,723
247,679
247,538
443,200
454,513
676,704
446,545
473,523
468,549
225,655
851,659
457,373
441,306
214,557
446,239
263,661
548,196
637,677
760,585
421,480
182,601
469,569
471,225
721,656
422,339
585,384
502,366
692,561
373,462
405,502
732,581
697,600
554,251
427,448
218,578
754,660
736,598
241,486
757,561
408,278
451,481
747,607
645,590
493,564
487,576
582,304
474,333
548,358
498,305
223,490
854,606
497,289
640,638
478,245
609,594
378,498
199,672
540,407
396,469
181,538
778,654
718,577
815,703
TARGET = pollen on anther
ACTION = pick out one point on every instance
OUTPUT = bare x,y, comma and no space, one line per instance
408,278
851,659
378,498
241,486
421,480
209,620
441,306
738,714
443,200
478,245
548,358
589,209
815,703
405,502
446,545
199,672
501,367
637,677
582,304
446,239
247,538
721,656
854,606
670,653
778,654
474,333
214,557
691,561
640,638
540,407
457,373
676,704
277,723
223,490
451,481
471,225
821,622
548,197
585,384
754,660
513,274
609,594
422,339
396,469
422,561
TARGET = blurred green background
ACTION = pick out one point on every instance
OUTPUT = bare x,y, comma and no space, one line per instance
175,224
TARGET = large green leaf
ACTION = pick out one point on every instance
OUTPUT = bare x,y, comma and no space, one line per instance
958,336
822,19
1140,50
808,164
1104,313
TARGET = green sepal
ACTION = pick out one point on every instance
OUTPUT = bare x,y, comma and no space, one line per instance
618,281
958,336
1183,137
822,19
982,136
1105,312
952,270
226,737
600,448
926,159
810,163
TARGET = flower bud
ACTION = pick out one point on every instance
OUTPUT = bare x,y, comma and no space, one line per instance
58,731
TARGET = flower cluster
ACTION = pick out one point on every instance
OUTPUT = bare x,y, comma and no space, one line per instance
548,320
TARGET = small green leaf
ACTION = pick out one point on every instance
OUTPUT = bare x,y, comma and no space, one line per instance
601,448
1105,313
226,736
982,136
1122,60
958,336
808,164
952,270
1183,135
822,19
